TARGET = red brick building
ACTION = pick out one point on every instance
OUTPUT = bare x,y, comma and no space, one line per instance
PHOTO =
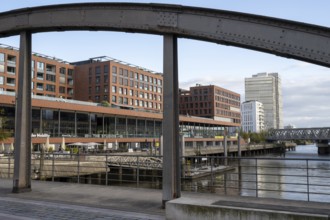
50,76
211,102
118,83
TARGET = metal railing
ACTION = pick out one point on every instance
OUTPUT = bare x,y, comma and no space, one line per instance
294,179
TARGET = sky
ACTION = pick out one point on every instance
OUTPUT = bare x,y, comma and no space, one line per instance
305,87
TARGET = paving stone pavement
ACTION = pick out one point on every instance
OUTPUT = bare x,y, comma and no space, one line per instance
57,200
18,209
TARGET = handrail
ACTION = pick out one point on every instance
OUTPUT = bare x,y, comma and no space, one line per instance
281,178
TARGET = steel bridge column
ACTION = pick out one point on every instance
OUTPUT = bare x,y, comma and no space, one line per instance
239,151
23,126
171,158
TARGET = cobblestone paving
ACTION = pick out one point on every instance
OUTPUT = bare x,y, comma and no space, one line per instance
12,208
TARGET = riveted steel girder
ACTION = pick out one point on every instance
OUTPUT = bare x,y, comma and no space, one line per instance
317,134
284,38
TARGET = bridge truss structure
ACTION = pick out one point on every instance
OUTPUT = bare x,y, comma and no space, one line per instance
317,134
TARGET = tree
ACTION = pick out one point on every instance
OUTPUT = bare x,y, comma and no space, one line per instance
105,104
244,135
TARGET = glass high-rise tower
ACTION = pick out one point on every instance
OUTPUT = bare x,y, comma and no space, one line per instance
266,88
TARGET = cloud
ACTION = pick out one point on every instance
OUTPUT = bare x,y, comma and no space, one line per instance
306,103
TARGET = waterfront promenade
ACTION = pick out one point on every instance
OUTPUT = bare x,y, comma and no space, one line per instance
56,200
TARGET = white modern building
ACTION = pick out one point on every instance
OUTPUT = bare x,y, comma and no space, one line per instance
252,116
266,88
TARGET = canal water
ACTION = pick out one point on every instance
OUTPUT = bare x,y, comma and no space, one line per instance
298,175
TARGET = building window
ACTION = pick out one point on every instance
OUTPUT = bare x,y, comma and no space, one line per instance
141,77
97,89
11,60
97,79
125,73
2,57
97,70
50,77
70,72
106,89
120,71
50,88
90,71
11,70
120,100
62,89
40,66
114,70
114,89
131,74
106,78
40,86
51,68
1,80
62,70
70,82
136,75
114,79
106,69
120,90
114,98
40,76
97,98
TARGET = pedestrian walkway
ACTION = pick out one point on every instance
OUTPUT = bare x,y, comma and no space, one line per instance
54,200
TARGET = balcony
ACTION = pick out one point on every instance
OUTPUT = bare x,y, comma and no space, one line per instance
50,69
10,82
11,70
11,61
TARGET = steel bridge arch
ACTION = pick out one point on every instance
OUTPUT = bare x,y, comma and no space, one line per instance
301,41
306,42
